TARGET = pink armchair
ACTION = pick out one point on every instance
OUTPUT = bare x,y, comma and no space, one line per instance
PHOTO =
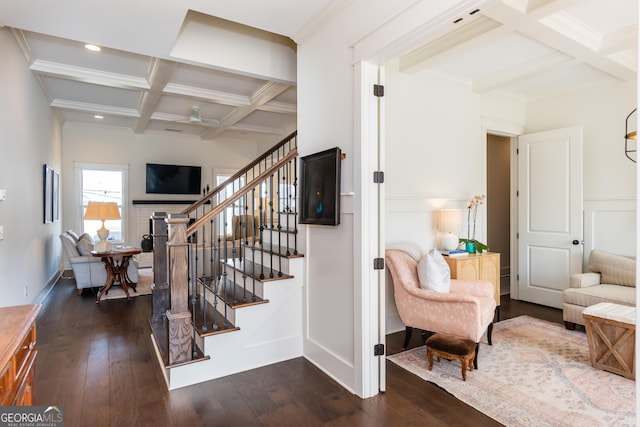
467,311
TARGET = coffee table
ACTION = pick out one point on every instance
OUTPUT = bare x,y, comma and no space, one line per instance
611,333
116,262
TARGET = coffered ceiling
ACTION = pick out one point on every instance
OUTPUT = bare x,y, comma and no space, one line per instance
138,82
535,48
520,48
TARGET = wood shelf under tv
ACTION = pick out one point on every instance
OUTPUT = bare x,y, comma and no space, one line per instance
164,202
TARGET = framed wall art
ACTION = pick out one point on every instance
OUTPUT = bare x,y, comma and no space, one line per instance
47,194
50,195
320,187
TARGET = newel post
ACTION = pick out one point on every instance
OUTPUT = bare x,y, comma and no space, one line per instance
160,286
178,316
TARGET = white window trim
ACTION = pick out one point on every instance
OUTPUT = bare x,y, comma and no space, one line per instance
124,212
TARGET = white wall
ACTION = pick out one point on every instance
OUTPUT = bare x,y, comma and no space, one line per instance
434,127
103,144
608,174
30,136
333,325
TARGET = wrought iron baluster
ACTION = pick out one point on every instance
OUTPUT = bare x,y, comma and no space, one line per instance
262,231
295,215
279,210
289,205
214,270
253,242
243,247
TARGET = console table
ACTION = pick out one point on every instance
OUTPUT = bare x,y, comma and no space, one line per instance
116,263
17,354
484,266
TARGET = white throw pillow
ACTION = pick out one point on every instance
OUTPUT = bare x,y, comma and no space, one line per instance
85,244
84,247
434,273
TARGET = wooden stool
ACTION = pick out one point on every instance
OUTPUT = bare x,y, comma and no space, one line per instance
452,348
611,332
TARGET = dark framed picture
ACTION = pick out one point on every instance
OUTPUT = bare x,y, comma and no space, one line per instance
47,193
55,196
320,187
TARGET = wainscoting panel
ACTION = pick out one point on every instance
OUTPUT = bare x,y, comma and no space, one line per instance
609,225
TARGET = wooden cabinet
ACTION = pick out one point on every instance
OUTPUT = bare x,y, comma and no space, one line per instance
484,266
17,354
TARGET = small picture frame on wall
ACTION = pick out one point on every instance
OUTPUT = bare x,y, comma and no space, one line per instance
47,193
50,195
55,189
320,187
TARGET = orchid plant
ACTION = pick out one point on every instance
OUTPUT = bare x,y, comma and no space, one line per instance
473,245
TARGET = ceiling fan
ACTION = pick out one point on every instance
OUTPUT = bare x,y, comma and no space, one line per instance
196,119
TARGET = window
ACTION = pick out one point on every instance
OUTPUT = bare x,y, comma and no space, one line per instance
103,183
236,208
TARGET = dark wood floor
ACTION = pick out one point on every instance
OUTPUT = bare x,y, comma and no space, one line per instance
96,361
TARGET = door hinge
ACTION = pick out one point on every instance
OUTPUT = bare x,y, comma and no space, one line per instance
378,263
378,350
517,151
517,235
378,90
378,177
517,193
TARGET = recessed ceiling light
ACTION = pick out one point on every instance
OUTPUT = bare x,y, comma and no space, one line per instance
98,116
92,47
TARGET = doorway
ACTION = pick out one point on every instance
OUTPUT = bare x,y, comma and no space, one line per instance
499,204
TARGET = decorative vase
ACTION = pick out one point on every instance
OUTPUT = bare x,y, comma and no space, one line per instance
470,247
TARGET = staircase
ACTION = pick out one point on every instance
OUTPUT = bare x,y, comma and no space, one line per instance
227,293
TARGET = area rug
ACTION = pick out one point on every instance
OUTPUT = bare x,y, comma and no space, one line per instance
536,373
145,279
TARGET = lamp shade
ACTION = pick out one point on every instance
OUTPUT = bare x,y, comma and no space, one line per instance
450,220
102,211
449,223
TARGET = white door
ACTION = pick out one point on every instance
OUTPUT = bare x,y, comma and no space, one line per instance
550,213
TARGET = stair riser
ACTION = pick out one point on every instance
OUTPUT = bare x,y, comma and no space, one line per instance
269,333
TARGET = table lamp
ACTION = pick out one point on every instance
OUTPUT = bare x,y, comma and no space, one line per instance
450,221
102,211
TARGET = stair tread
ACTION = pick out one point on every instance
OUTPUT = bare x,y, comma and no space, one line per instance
197,305
242,298
255,270
282,251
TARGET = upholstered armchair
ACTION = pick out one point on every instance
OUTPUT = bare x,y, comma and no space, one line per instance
88,271
466,311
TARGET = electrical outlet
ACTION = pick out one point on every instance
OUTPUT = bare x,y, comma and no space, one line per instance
26,291
1,232
3,194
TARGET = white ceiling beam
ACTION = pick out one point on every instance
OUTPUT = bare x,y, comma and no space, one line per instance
518,72
260,97
158,75
279,107
214,96
476,31
94,108
267,92
87,75
622,39
530,26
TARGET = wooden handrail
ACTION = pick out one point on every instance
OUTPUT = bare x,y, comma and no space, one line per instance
248,187
238,174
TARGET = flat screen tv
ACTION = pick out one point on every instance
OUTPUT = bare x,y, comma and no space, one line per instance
173,179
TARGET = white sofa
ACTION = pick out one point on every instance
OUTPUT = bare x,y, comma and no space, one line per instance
89,271
611,278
